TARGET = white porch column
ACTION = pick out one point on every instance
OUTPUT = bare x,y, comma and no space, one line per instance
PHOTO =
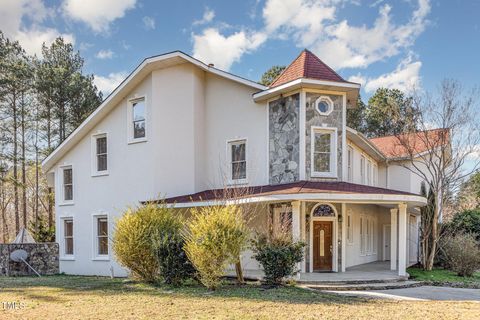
393,239
344,236
303,236
296,226
402,239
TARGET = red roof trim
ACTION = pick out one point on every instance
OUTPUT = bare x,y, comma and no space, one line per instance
300,187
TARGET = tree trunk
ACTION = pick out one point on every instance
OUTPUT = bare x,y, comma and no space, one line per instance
23,160
15,163
239,272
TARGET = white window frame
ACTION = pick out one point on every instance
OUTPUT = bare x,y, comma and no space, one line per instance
362,169
62,201
95,238
63,254
350,164
332,173
349,228
229,159
95,172
130,129
329,103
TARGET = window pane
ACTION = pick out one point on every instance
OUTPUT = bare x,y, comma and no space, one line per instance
139,110
102,145
68,192
321,162
102,227
322,142
239,170
139,129
69,246
102,162
67,176
238,152
68,228
102,245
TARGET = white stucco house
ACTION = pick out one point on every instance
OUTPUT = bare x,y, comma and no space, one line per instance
180,129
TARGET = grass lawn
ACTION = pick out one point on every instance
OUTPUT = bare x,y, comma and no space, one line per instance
72,297
442,275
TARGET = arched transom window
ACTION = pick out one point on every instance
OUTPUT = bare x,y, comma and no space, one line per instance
324,210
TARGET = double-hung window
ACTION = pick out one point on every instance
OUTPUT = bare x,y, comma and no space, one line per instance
100,150
362,236
350,164
137,120
323,152
349,229
67,185
369,173
238,160
362,169
102,236
68,237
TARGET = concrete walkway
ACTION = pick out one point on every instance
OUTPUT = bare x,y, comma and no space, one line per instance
423,293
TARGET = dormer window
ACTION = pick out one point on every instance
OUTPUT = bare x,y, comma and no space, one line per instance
324,105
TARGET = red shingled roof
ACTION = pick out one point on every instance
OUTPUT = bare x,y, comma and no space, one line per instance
300,187
412,143
307,65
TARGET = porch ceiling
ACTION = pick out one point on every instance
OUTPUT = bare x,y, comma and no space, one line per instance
301,190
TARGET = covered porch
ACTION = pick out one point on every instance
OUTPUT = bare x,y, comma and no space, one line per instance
352,232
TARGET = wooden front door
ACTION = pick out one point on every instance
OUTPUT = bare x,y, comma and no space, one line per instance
322,245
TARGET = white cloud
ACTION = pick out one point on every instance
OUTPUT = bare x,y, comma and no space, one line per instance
148,23
304,19
405,77
13,17
212,47
208,16
107,84
314,24
358,79
97,14
104,54
346,46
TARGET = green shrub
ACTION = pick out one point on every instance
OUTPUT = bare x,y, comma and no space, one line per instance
278,255
216,236
462,254
133,239
467,221
173,262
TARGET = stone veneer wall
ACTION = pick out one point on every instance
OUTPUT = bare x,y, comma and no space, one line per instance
284,133
313,118
43,257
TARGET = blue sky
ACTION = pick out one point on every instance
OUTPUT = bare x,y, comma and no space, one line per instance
401,43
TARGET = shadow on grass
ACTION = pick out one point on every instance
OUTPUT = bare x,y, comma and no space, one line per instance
64,286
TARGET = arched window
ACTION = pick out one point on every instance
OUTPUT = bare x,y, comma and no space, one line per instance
324,210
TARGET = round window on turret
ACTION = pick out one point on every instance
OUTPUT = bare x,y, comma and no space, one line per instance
324,105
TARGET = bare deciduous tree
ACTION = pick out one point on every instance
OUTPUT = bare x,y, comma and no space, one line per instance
439,156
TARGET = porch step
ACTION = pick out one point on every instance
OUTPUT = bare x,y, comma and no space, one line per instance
308,282
364,286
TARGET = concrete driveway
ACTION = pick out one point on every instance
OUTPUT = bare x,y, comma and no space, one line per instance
424,293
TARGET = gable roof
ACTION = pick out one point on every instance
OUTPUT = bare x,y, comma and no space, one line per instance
307,65
405,145
133,79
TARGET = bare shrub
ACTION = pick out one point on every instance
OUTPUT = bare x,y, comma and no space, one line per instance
462,253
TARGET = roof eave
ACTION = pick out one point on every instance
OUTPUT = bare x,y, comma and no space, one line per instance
350,88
